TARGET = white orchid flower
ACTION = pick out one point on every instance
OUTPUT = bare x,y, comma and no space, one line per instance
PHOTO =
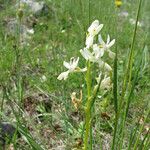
106,67
89,41
106,83
95,28
72,66
94,56
98,52
87,54
63,75
107,45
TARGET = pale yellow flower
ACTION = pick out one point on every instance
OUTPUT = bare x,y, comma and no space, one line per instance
118,3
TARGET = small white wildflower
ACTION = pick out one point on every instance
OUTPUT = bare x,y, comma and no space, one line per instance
106,67
72,66
107,45
87,54
63,75
98,52
95,28
89,41
94,56
106,83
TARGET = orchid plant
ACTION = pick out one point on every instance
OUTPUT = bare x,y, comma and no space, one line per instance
93,52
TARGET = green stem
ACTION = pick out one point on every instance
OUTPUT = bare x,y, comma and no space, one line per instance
91,137
115,85
88,79
18,63
87,127
88,106
88,114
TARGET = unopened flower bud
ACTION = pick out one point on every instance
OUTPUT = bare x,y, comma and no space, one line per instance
20,13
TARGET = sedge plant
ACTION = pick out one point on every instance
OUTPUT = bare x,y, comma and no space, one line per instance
7,94
123,102
94,54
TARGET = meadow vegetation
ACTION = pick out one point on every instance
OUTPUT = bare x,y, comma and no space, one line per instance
96,106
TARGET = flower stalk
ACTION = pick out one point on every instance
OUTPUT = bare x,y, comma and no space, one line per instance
87,126
88,79
93,54
88,106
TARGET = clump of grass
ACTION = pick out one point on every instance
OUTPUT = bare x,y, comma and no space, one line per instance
122,103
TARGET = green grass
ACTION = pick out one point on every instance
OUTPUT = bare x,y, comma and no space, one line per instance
60,125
